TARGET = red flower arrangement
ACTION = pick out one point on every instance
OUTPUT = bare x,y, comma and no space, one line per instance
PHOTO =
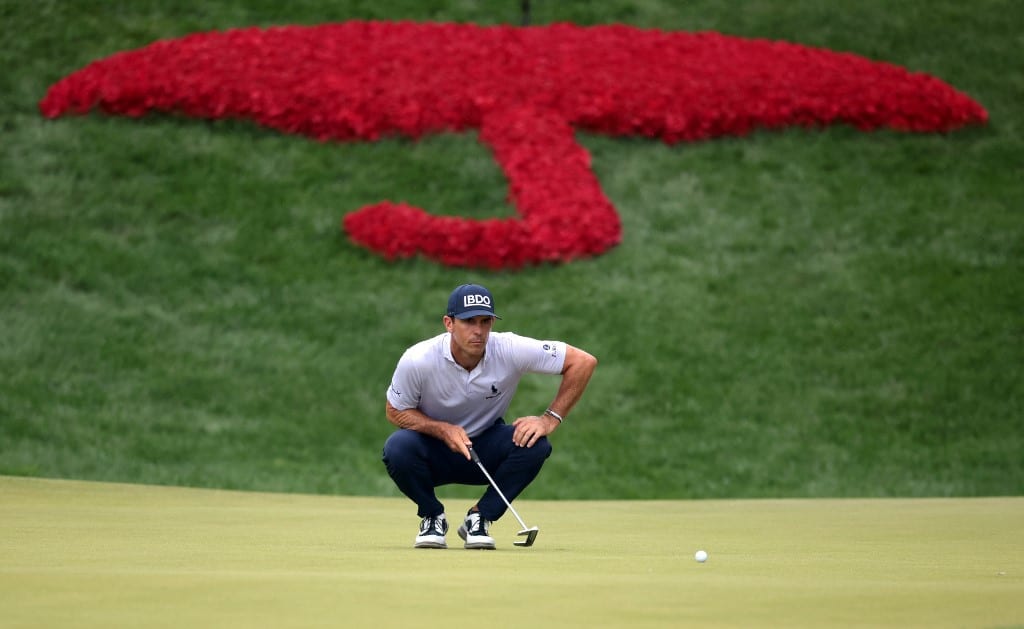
525,89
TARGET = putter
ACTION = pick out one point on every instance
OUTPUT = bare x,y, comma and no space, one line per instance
529,531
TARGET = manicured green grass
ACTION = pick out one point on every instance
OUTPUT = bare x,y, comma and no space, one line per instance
107,555
795,313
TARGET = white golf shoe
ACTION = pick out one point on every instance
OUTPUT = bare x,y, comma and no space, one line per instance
474,531
432,532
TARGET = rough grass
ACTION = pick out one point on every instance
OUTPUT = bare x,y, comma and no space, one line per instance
796,313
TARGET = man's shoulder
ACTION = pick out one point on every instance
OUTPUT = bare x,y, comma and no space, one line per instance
510,343
504,340
516,347
426,348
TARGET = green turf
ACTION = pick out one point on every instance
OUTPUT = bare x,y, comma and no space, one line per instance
84,555
796,313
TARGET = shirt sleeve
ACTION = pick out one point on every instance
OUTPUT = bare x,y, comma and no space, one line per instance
404,390
536,356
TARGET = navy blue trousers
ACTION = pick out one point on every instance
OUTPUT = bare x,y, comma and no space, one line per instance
419,463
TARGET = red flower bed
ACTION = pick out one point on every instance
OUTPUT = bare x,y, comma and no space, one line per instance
525,89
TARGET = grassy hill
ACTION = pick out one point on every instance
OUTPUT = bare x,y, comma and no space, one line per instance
794,313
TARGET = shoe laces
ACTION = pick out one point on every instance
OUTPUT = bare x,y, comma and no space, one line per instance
476,524
434,524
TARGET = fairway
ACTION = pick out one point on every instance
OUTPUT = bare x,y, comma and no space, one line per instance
89,554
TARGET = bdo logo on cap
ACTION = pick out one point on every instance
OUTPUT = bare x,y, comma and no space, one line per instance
471,300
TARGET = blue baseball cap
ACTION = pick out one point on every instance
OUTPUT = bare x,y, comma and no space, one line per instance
471,300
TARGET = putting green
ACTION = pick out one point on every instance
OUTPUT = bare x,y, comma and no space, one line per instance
81,554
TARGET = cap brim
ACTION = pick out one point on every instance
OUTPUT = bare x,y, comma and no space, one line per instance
476,313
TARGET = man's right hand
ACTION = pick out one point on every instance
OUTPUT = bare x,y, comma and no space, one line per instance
455,438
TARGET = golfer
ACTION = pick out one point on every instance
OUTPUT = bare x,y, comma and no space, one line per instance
451,392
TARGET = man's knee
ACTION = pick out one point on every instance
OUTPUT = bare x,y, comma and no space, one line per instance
540,450
400,446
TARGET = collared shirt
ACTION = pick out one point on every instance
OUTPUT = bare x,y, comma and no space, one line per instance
428,378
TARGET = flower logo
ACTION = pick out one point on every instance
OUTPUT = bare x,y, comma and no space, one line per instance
526,89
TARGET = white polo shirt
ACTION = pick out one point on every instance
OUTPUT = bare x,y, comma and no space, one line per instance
428,378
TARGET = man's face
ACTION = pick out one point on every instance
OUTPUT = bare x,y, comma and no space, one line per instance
469,336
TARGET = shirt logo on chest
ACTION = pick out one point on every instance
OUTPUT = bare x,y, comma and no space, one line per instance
494,393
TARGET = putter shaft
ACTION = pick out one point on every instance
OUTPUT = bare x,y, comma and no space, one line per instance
476,459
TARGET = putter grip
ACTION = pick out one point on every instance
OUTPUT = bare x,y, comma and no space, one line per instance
473,455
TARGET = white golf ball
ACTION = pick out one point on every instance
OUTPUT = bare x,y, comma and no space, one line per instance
700,556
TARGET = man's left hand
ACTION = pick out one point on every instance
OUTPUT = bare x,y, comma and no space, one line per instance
531,428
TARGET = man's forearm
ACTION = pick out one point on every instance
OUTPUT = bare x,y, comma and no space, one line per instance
453,436
414,419
579,366
411,418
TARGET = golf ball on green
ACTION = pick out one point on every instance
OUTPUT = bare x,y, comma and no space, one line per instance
701,556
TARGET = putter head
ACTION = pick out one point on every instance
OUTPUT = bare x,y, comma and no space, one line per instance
530,533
